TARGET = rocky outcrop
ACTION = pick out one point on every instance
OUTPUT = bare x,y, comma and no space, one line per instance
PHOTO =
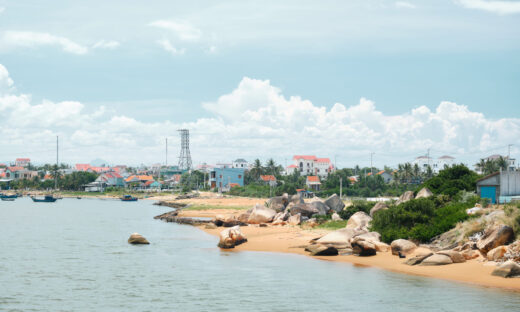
295,219
495,236
470,254
261,214
359,220
513,252
137,239
305,210
381,247
340,237
335,217
379,206
362,247
418,258
497,253
507,269
335,203
455,256
322,250
437,259
278,203
244,217
403,246
320,206
424,193
231,237
296,199
227,221
408,195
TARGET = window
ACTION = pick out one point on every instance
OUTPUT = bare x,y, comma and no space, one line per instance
220,176
240,176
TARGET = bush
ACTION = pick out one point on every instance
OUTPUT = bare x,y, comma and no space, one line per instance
451,180
356,206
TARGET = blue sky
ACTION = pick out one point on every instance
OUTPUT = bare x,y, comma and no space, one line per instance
160,61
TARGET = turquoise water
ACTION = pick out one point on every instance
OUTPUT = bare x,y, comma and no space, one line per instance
72,255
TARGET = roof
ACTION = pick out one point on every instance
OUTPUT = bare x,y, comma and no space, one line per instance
422,157
380,172
267,178
313,179
82,167
113,174
233,184
369,174
241,160
352,179
148,183
306,157
446,157
47,177
488,176
324,160
292,166
100,169
15,168
23,159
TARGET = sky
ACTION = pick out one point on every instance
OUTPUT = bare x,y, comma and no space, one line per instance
259,79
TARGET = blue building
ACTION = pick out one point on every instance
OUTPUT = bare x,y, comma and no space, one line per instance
225,178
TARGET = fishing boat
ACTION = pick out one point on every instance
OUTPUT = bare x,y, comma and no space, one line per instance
7,199
128,198
4,196
45,199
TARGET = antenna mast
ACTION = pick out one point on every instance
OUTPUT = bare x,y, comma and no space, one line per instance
185,157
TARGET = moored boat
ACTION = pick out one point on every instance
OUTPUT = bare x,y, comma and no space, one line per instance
45,199
128,198
5,196
7,199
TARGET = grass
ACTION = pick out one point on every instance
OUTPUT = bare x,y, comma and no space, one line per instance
211,207
333,225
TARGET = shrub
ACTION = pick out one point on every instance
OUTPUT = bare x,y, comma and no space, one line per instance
356,206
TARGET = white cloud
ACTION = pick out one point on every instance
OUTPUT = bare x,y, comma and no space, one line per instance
6,83
182,30
2,9
35,39
499,7
255,120
168,46
405,5
110,44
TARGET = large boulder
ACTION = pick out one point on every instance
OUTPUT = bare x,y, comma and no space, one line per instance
370,236
244,217
296,198
359,220
137,239
377,207
507,269
335,217
295,220
278,203
495,236
362,247
469,254
261,214
403,246
320,206
424,193
304,209
227,221
231,237
497,253
418,258
335,203
322,250
437,259
408,195
340,237
381,247
455,256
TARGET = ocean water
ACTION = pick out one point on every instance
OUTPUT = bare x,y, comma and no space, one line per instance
73,255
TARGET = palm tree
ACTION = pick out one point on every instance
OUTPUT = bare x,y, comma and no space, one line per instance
271,166
481,165
502,163
257,169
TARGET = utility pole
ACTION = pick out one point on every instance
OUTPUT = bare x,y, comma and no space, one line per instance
371,156
340,187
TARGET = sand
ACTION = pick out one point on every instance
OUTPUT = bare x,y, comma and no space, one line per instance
292,239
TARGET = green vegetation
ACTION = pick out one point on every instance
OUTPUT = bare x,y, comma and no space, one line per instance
488,166
333,225
72,182
452,180
356,206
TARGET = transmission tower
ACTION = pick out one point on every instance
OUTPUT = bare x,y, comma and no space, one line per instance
185,157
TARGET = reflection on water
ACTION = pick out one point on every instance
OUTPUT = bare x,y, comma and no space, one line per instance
73,256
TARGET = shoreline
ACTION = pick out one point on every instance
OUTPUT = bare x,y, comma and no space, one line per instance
291,239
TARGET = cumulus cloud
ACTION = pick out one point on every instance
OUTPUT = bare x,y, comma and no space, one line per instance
183,30
6,83
30,39
109,45
255,120
499,7
405,5
168,46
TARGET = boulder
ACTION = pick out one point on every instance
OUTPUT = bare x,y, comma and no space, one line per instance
335,203
418,259
381,247
296,199
261,214
340,237
513,251
507,269
312,222
408,195
322,250
278,203
455,256
424,193
336,217
244,217
437,259
402,245
362,247
470,254
227,221
137,239
295,220
497,253
359,220
370,236
231,237
495,236
377,207
210,226
320,206
305,210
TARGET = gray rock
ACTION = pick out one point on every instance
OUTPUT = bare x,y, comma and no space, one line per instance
507,269
408,195
335,217
261,214
418,259
305,210
322,250
340,237
362,247
424,193
320,207
137,239
295,220
335,203
437,259
379,206
402,245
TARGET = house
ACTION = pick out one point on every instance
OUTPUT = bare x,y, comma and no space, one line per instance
268,179
387,177
500,187
313,183
240,163
16,172
291,169
111,179
436,164
94,187
137,179
311,165
151,185
167,172
22,162
174,180
222,178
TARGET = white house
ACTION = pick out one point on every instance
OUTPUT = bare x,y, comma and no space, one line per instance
436,164
310,165
240,163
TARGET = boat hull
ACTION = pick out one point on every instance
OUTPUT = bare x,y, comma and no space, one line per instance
44,200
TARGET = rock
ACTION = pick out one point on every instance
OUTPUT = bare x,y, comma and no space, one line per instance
437,259
495,236
244,217
507,269
227,221
497,253
296,199
359,220
336,217
408,195
370,236
345,251
305,210
312,222
321,250
231,237
278,203
320,206
377,207
362,247
340,237
470,254
455,256
335,203
421,251
513,252
137,239
381,247
294,220
402,245
424,193
418,259
210,226
261,214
